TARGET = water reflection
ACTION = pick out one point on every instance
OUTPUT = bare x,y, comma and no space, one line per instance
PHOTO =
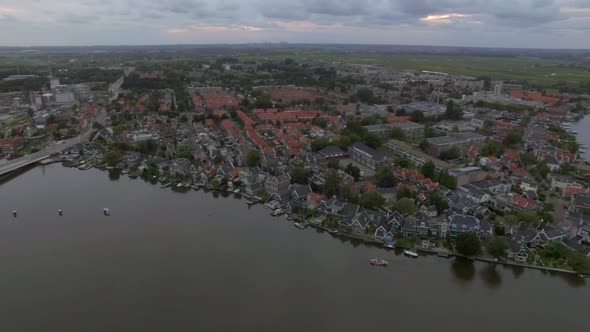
114,175
463,270
490,276
517,271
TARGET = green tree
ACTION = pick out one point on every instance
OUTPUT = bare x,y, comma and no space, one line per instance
373,141
331,187
527,159
428,169
492,148
384,177
398,133
365,95
371,200
111,158
253,158
453,112
543,170
183,151
468,244
497,246
447,180
436,199
353,171
318,144
513,138
452,153
417,116
405,206
298,174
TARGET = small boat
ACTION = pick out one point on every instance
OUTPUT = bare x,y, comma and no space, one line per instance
250,202
333,231
237,191
289,217
379,262
300,225
179,185
389,246
194,187
276,212
410,253
187,185
166,185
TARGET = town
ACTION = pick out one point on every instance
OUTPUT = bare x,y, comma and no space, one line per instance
423,160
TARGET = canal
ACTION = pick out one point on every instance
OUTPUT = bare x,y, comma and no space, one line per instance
582,128
166,261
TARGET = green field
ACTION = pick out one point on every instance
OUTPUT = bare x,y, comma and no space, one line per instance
537,71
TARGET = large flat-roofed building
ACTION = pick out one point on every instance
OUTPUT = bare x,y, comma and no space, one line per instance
469,174
411,130
428,109
367,156
437,145
415,156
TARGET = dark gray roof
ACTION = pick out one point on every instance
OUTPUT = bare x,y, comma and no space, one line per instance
331,150
375,155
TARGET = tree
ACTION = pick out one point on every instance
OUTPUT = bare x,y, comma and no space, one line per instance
398,133
111,158
543,170
353,171
318,144
492,148
513,138
405,206
320,122
148,147
404,193
447,180
453,111
298,174
373,141
385,177
371,200
452,153
253,158
365,95
436,199
332,183
468,244
527,159
497,246
428,169
183,151
417,116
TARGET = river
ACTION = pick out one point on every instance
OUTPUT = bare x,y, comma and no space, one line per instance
166,261
583,135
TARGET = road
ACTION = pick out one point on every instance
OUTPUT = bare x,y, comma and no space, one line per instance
50,149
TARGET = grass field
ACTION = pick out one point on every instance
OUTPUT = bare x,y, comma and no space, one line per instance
537,71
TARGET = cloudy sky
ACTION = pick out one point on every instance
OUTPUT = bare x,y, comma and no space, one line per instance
494,23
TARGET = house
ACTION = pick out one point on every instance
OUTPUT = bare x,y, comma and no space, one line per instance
493,186
11,145
299,191
182,167
386,230
367,156
584,234
478,121
315,199
518,203
460,223
545,234
552,163
227,171
277,184
475,194
416,226
520,240
562,182
460,141
580,204
469,174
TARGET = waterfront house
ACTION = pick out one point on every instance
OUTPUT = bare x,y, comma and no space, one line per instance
545,234
182,167
416,226
277,184
460,223
299,191
580,204
315,199
520,241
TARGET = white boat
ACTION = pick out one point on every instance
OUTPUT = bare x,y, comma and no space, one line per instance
179,185
389,246
166,185
237,191
410,253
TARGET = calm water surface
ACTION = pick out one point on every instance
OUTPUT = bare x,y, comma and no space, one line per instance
166,261
583,136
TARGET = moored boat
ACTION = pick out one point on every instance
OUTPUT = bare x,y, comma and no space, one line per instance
333,231
166,185
378,262
411,254
389,246
300,225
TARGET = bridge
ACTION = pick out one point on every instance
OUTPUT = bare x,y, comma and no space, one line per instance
51,149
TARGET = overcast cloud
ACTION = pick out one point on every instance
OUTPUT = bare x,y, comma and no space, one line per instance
497,23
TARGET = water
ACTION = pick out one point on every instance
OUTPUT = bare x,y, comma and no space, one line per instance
583,136
166,261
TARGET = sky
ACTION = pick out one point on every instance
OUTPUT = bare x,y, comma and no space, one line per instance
477,23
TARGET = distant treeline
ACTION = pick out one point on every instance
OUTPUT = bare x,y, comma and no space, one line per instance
28,84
